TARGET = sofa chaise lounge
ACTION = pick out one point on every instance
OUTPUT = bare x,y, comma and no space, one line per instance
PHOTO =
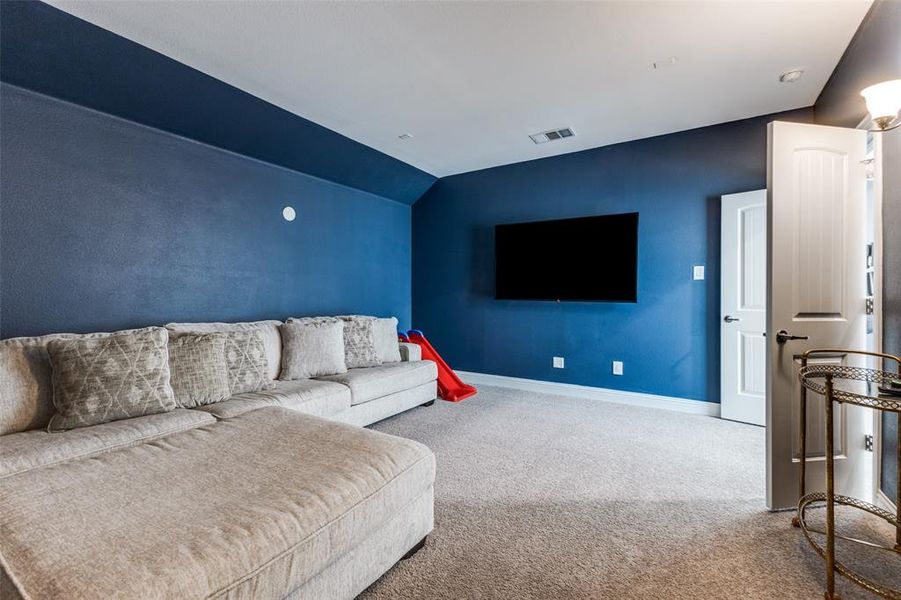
270,494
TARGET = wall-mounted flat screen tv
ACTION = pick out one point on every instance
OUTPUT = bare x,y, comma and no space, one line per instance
591,259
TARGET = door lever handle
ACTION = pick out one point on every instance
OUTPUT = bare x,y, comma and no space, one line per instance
783,336
730,319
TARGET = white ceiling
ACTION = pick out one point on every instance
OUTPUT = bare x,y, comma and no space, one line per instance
472,80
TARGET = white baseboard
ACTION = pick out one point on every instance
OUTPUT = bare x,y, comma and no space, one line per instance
697,407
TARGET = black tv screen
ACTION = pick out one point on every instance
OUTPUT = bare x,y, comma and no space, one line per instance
587,259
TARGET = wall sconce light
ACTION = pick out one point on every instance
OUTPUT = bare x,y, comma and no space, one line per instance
884,103
289,214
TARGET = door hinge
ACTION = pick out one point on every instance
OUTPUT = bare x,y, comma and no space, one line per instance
868,443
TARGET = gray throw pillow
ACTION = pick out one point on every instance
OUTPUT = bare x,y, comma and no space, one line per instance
384,332
312,349
245,359
359,338
198,372
102,378
359,342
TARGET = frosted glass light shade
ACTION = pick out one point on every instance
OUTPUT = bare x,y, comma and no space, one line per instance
883,101
289,214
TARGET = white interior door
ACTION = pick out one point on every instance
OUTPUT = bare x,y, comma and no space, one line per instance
816,267
743,307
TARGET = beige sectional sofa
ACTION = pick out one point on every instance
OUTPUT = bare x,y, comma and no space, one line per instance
360,397
269,494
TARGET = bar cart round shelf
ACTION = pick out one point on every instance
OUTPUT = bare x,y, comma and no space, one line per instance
861,387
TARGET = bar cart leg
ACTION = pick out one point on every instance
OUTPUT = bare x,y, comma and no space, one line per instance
802,438
898,499
830,496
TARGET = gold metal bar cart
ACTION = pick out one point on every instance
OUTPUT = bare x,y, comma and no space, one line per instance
858,386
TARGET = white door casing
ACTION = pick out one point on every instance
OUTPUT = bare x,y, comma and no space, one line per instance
743,307
816,269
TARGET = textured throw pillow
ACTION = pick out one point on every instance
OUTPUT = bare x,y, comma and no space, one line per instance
312,349
198,372
359,342
97,379
384,332
245,359
359,338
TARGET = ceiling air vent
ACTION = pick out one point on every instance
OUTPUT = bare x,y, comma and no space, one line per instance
553,134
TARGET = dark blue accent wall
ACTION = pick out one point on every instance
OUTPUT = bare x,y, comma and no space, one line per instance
107,224
669,340
51,52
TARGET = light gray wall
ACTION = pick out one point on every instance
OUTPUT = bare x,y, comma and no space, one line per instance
891,292
874,55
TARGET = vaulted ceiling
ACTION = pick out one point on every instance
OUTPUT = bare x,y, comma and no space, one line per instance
471,80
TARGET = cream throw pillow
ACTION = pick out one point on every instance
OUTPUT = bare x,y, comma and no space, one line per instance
384,332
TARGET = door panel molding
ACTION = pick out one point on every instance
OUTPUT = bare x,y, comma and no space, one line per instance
816,226
743,307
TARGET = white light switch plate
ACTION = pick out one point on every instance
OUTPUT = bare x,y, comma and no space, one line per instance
558,362
698,272
617,367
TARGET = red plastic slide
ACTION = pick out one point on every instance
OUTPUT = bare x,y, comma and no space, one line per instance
450,387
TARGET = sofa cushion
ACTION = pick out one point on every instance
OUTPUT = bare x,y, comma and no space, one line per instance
374,382
204,512
26,386
312,349
388,406
199,374
309,396
20,452
245,361
410,351
102,378
272,340
384,333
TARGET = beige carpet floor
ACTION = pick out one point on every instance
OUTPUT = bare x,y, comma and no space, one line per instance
541,496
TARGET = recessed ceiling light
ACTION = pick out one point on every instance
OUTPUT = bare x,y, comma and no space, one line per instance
791,76
405,136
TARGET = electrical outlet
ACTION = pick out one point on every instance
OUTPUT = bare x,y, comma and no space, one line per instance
617,367
558,362
698,272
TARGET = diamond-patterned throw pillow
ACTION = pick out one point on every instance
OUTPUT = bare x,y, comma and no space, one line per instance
199,373
245,359
101,378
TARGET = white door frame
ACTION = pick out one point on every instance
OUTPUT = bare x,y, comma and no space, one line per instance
878,494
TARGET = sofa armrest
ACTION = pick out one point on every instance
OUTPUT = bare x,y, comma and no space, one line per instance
410,352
